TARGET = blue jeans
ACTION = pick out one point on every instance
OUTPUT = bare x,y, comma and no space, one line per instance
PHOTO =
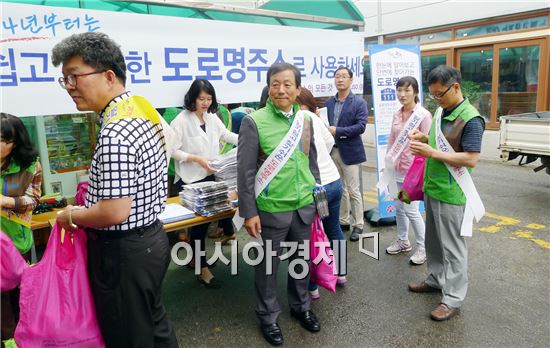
331,225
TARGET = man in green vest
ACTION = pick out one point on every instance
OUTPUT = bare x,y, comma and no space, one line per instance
446,247
283,210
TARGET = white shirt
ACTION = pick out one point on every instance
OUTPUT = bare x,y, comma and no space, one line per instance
324,141
195,141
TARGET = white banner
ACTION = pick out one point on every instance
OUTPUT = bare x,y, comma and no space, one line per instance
165,54
388,63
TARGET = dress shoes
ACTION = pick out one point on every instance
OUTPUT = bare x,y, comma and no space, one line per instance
422,287
272,334
307,319
354,237
443,312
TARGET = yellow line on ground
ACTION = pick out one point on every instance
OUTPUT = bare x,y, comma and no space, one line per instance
504,221
529,235
535,226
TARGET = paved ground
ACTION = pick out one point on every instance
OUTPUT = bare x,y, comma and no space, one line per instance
508,303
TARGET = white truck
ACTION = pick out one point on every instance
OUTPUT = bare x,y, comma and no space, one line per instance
526,135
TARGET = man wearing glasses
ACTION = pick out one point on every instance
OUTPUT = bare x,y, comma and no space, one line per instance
453,146
347,116
128,251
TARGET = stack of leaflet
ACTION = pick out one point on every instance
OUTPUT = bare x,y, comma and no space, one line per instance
206,198
226,169
175,212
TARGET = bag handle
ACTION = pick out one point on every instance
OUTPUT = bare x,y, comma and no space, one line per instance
65,250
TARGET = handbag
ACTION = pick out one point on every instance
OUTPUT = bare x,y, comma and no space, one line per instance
56,305
414,180
12,264
322,265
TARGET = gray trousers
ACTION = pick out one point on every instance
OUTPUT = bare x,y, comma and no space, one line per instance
279,227
446,251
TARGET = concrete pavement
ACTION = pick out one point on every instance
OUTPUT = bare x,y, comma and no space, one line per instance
508,303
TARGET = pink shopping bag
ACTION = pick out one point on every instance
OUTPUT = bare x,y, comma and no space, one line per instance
322,266
12,264
414,180
56,304
81,192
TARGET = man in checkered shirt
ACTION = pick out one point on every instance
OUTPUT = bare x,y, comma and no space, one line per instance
128,251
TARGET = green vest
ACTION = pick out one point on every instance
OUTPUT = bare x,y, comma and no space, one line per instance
20,234
438,181
225,116
292,187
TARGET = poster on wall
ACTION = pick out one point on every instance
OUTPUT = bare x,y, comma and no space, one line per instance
388,63
165,54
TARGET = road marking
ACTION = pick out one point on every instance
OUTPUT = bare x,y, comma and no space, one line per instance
529,236
535,226
504,221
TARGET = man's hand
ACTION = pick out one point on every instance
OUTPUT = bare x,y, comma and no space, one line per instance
417,135
332,130
421,149
253,226
64,221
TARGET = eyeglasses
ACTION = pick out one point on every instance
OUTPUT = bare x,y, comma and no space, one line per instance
341,77
439,96
71,79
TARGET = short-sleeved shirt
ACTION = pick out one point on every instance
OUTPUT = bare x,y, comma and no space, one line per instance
130,161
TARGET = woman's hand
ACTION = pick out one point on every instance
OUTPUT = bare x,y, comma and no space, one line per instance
203,162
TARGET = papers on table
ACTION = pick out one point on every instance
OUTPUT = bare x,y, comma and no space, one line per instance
206,198
175,212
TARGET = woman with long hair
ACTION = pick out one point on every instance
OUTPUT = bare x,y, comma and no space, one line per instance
21,177
407,93
200,131
330,179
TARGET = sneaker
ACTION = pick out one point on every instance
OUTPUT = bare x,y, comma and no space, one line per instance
399,246
314,294
341,281
419,256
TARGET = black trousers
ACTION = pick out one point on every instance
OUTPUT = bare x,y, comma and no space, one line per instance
126,277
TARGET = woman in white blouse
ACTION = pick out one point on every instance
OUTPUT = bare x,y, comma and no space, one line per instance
200,131
330,179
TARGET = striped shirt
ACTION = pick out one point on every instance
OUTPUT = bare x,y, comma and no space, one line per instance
130,161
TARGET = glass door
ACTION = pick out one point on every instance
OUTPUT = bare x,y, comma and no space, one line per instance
519,80
430,60
476,67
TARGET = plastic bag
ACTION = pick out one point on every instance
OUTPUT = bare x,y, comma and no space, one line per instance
12,264
56,305
81,192
322,272
414,180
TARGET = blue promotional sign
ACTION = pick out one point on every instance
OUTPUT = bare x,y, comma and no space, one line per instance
388,63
